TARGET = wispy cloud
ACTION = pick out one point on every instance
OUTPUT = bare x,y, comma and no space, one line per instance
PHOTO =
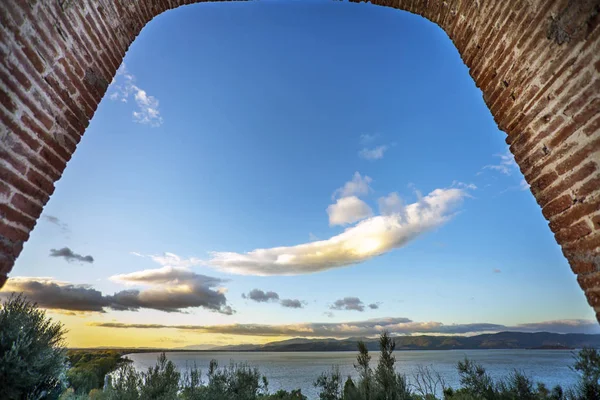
367,239
261,297
374,306
348,210
171,290
147,106
56,221
170,259
367,138
348,303
369,328
505,165
371,154
463,185
69,255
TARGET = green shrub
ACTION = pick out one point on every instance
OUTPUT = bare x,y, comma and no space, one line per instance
161,381
32,352
124,385
331,385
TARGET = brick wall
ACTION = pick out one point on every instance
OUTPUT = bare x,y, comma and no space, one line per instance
537,63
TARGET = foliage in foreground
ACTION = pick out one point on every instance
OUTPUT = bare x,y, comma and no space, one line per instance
164,382
34,365
32,353
384,383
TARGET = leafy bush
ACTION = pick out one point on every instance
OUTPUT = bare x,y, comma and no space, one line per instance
33,365
160,382
89,368
330,384
32,352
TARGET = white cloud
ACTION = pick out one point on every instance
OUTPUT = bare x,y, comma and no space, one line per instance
390,204
376,153
348,210
147,106
358,186
369,238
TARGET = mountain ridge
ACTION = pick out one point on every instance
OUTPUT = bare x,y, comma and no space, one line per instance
500,340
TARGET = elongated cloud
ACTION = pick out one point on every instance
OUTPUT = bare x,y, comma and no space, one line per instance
70,255
369,328
348,210
175,293
369,238
173,289
56,295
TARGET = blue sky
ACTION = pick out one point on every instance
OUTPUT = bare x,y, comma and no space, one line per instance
240,124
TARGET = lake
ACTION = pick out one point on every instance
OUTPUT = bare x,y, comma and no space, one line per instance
292,370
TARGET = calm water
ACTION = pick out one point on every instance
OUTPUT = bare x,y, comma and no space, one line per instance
299,370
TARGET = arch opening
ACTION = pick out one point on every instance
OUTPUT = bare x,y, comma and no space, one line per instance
537,64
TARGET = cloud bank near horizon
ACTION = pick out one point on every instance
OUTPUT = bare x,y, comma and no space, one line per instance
370,327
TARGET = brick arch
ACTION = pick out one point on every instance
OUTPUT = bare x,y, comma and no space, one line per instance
537,63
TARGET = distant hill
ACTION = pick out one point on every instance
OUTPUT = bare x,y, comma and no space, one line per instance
501,340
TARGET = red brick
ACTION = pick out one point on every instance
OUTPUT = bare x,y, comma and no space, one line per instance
12,233
40,181
553,192
6,101
590,280
574,232
593,127
557,206
596,222
10,214
575,213
589,187
542,182
26,205
578,157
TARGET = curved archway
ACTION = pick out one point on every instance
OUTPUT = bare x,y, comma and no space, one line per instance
536,62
